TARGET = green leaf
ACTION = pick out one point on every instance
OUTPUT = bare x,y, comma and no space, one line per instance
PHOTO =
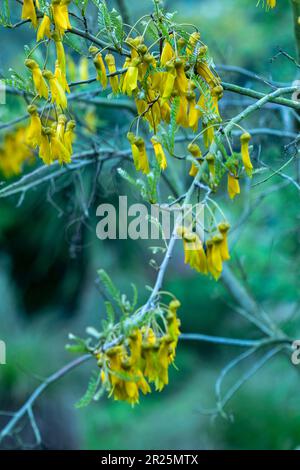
109,285
91,391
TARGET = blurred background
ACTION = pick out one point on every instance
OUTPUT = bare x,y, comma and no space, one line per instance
49,256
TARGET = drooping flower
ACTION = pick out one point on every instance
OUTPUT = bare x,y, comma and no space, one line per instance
34,131
167,53
194,149
38,79
61,15
100,68
159,153
69,136
57,92
139,154
45,152
194,253
29,13
245,139
44,28
131,77
233,186
223,229
84,68
111,64
59,151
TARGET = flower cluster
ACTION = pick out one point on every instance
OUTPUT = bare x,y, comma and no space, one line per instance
54,136
181,79
143,358
206,258
14,145
55,142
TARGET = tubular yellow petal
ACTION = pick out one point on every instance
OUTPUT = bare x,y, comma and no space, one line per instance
44,28
245,139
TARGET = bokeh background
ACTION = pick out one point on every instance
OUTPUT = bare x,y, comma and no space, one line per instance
49,259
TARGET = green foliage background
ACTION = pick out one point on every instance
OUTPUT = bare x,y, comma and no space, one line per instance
46,291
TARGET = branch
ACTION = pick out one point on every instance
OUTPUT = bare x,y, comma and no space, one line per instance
99,42
258,95
26,408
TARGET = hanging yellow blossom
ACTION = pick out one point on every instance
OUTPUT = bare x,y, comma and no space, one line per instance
143,163
111,64
69,136
233,185
57,92
44,28
167,53
29,13
159,153
38,79
84,68
194,149
61,15
34,131
45,152
223,229
245,139
194,253
14,153
100,68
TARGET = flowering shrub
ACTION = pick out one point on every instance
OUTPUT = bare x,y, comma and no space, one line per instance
163,72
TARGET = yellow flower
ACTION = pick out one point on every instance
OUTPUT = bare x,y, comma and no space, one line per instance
181,82
34,131
194,253
208,134
45,152
61,15
57,91
135,346
84,69
223,229
211,164
69,136
167,53
194,149
245,139
131,77
44,28
194,113
29,13
59,151
233,186
173,325
271,3
139,153
60,130
61,61
210,264
159,153
182,114
143,158
216,93
101,70
169,82
111,64
14,153
216,254
193,40
38,79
